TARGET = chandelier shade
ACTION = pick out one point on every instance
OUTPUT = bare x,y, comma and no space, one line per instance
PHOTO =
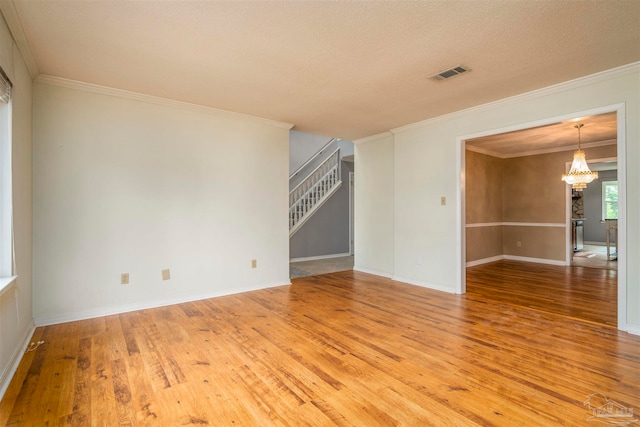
579,175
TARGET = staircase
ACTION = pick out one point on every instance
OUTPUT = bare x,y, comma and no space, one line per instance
307,197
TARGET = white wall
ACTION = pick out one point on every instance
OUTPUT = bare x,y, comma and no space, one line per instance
129,186
303,146
374,205
427,243
16,319
594,229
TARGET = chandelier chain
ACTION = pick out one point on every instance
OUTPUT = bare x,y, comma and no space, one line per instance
579,126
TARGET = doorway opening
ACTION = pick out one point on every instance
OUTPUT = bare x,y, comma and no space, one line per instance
594,217
527,217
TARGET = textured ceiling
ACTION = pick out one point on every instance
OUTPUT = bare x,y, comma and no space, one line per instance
347,69
597,130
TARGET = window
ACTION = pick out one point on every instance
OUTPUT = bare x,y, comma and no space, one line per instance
609,199
6,237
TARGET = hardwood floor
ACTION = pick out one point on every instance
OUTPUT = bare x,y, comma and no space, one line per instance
584,293
339,349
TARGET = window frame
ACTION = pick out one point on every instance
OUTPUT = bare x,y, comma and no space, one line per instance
604,200
7,261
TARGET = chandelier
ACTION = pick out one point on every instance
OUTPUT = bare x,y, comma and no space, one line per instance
579,175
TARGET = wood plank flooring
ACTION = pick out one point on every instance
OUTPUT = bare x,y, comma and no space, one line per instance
339,349
589,294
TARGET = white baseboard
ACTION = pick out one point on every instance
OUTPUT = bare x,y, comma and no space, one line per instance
536,260
484,260
596,243
433,286
515,258
374,272
633,329
15,360
314,258
108,311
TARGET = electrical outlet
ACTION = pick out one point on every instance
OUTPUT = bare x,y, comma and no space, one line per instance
519,244
166,275
124,279
254,263
443,201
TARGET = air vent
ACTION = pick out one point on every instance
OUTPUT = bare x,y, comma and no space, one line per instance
451,72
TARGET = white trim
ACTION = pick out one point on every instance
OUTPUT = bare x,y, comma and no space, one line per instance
538,152
352,238
485,260
621,154
484,151
535,224
374,272
108,311
514,258
542,122
317,168
11,17
433,286
461,232
314,258
7,250
312,158
516,224
7,283
604,183
372,138
632,329
14,361
622,216
595,243
314,209
561,149
120,93
536,260
568,215
560,87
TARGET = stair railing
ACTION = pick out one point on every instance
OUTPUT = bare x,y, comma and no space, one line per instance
309,195
312,158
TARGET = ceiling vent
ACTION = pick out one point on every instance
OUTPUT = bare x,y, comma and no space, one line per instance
451,72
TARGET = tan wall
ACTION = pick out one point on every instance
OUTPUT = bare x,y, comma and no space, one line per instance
483,188
484,242
532,187
535,242
483,205
526,189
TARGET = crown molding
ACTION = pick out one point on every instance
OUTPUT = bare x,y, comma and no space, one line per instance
484,151
492,153
372,138
613,73
561,149
120,93
11,17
